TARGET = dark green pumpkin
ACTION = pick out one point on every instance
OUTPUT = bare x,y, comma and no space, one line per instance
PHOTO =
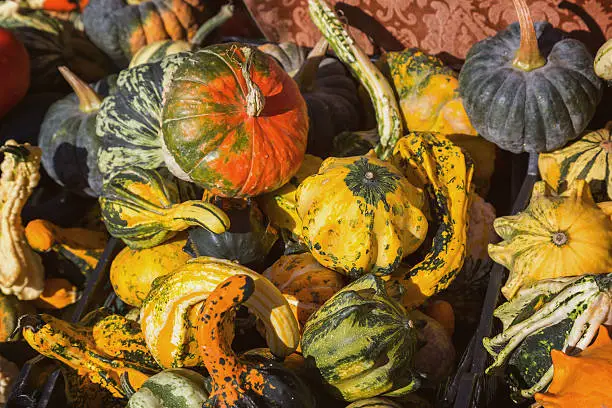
362,342
246,381
52,43
248,240
68,136
121,27
128,121
535,99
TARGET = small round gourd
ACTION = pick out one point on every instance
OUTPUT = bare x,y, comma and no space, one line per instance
233,122
603,61
175,387
528,90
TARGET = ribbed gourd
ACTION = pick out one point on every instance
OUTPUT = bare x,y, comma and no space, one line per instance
554,237
362,343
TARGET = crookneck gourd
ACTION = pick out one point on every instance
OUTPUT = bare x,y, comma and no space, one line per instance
144,209
555,236
242,130
580,380
360,197
554,314
68,136
122,27
304,282
52,43
528,90
168,313
21,269
443,170
81,246
103,357
175,387
242,381
248,240
362,342
603,61
158,50
134,270
128,120
588,158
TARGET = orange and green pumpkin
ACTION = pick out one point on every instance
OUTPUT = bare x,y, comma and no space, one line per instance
233,122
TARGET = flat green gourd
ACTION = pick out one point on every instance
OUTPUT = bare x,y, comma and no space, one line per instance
362,342
144,209
128,123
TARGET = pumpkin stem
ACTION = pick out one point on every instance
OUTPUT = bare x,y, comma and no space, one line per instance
27,321
215,334
255,98
89,100
528,56
307,74
127,388
216,21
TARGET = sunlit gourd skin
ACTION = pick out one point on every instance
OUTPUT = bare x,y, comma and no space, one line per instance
603,61
580,380
245,381
368,200
555,236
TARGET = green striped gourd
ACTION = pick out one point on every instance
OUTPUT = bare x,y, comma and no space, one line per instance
362,342
603,61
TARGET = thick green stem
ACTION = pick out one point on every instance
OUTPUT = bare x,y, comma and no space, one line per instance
216,21
528,56
89,100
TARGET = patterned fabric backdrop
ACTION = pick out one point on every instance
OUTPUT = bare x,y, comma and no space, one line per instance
435,26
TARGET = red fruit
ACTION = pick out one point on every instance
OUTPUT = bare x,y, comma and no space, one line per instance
14,71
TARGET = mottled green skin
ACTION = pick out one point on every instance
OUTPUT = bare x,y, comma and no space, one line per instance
70,145
535,111
371,182
172,388
361,342
128,121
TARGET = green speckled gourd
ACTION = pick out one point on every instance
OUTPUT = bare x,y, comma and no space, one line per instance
144,209
52,43
172,388
603,61
561,314
362,342
528,90
68,136
128,122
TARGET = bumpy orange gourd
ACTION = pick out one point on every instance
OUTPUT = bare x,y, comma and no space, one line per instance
582,380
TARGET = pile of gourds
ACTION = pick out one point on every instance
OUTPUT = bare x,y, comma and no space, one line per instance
260,205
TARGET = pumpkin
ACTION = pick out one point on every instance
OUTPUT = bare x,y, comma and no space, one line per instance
121,27
248,240
527,89
562,314
242,138
74,346
581,380
52,43
603,61
305,283
280,205
83,247
551,237
156,51
168,313
143,208
442,169
21,269
360,197
442,312
246,381
588,158
175,387
435,360
134,270
68,136
362,342
56,5
330,93
11,309
14,69
388,117
57,294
